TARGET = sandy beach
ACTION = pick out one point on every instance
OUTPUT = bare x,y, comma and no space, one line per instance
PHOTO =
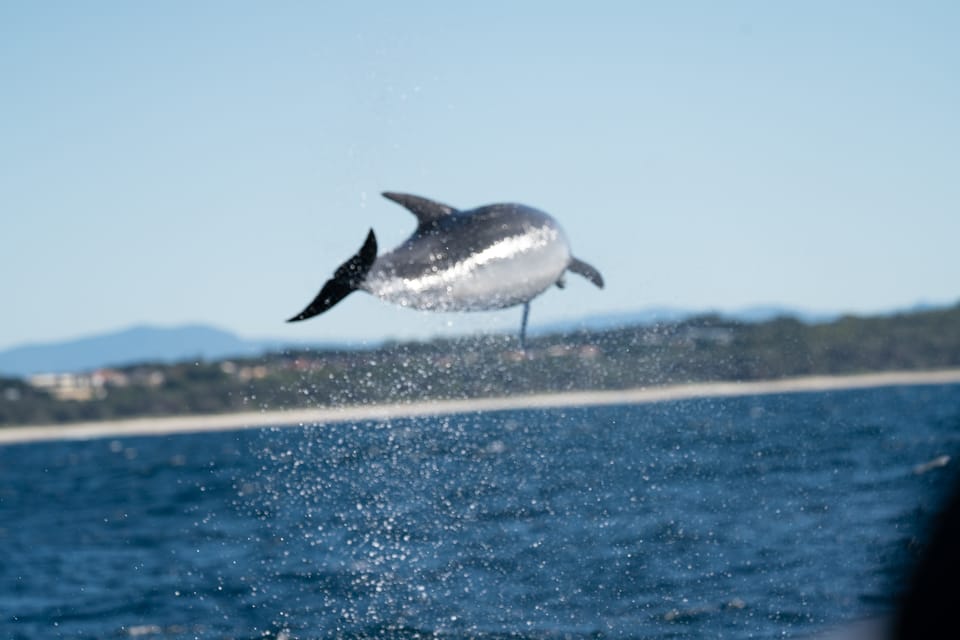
319,416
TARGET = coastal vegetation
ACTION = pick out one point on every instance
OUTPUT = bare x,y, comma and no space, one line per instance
705,348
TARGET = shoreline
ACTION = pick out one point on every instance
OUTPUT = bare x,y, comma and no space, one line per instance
160,426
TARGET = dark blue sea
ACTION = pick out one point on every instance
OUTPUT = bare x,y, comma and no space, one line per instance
754,517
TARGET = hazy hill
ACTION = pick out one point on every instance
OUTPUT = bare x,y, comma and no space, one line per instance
168,345
658,315
137,344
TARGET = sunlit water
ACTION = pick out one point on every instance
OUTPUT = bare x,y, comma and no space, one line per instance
755,517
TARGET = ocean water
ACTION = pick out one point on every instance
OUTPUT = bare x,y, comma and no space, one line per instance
755,517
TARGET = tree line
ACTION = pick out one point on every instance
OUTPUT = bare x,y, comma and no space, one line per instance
704,348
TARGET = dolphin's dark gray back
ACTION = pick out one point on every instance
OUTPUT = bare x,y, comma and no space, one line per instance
453,238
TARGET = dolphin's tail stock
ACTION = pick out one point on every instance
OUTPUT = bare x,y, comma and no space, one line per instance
347,279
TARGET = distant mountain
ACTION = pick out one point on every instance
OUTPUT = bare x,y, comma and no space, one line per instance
654,315
763,313
166,345
138,344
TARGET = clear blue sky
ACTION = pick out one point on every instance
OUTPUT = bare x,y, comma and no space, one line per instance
214,161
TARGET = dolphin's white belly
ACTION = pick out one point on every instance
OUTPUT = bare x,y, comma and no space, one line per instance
507,271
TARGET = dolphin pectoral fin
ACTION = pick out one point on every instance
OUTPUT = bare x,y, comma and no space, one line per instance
347,279
590,273
427,211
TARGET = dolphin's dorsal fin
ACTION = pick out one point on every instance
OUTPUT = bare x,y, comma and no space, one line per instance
427,211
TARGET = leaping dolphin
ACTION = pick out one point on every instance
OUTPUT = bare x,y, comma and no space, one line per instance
491,257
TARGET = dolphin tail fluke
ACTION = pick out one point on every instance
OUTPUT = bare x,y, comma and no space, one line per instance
347,279
590,273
